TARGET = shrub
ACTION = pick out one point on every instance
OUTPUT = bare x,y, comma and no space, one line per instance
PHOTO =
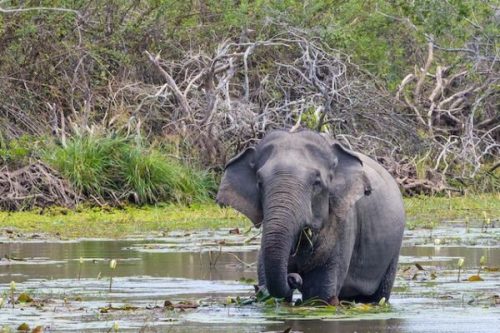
18,152
111,167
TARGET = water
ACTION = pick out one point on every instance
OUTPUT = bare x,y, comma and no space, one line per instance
206,268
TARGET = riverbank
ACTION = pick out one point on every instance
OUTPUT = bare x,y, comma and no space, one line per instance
85,222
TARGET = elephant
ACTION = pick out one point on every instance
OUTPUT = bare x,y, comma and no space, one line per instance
332,219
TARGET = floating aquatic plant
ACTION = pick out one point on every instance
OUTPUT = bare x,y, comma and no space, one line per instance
477,277
80,268
24,298
12,290
112,265
482,262
460,264
23,327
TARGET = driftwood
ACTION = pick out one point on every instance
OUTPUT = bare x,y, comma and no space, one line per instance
457,113
35,185
406,175
221,102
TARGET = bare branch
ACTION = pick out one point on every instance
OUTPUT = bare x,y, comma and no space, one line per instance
29,9
181,98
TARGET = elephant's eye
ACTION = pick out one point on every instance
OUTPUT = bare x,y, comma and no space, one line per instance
258,178
317,179
317,184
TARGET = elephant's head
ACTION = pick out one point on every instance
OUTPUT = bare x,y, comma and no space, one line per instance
291,182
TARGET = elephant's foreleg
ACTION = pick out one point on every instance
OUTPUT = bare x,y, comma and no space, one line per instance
320,283
260,270
383,290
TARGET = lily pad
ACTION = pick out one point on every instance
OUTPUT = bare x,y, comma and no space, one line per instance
24,298
475,278
23,327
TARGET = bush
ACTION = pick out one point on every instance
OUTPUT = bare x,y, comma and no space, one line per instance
116,168
88,163
18,152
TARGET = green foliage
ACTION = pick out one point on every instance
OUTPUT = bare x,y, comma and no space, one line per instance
429,211
56,65
485,181
311,118
88,163
147,175
113,167
386,37
87,221
151,177
17,152
119,222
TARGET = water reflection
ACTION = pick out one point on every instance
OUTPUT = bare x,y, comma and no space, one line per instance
446,256
61,260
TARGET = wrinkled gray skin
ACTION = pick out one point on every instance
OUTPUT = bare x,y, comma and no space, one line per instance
302,185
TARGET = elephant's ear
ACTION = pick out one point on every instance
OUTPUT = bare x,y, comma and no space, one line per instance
238,187
349,183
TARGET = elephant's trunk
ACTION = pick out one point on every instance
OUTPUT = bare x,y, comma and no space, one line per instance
284,217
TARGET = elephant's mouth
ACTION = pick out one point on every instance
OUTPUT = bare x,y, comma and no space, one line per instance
304,243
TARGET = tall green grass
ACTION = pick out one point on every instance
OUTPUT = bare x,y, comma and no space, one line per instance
118,168
88,163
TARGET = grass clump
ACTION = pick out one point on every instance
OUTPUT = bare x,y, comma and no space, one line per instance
88,163
18,152
430,211
117,168
150,177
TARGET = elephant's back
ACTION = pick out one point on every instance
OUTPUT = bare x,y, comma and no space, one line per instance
380,220
385,192
375,170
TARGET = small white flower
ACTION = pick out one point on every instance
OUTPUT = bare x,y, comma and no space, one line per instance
112,264
482,261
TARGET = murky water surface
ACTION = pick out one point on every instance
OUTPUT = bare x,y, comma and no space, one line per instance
202,274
